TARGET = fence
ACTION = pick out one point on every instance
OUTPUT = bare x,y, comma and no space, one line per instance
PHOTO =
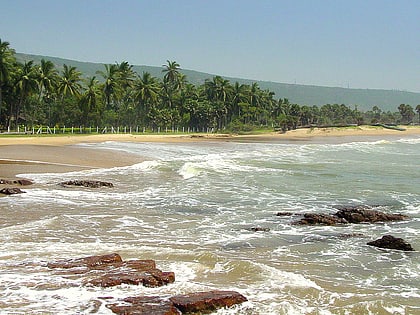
105,130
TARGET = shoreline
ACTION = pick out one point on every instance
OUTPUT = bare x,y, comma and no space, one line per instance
59,154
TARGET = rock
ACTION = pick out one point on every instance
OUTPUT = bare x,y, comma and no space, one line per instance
391,242
361,214
194,303
11,191
285,214
144,305
319,218
258,229
206,302
110,270
86,183
21,182
150,278
90,262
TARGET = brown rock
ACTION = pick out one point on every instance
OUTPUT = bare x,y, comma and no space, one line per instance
90,262
86,183
206,302
319,218
361,215
149,278
391,242
11,191
144,305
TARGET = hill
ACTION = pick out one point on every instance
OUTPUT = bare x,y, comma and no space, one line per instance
365,99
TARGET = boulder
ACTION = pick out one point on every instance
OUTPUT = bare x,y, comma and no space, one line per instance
319,218
11,191
391,242
206,302
144,305
360,214
86,183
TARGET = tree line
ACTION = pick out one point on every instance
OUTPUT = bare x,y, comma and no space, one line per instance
38,94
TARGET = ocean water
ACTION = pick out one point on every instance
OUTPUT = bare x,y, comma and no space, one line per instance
189,206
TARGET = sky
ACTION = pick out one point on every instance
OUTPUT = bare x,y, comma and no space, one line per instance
368,44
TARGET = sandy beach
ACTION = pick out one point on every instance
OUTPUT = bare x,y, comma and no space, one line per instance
39,154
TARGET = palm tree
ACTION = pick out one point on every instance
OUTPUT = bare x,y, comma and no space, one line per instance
68,84
47,77
111,76
26,83
89,100
418,111
6,63
146,91
172,73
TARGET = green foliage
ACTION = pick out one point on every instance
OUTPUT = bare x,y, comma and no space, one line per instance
44,93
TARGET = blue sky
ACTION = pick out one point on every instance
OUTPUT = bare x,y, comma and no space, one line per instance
371,44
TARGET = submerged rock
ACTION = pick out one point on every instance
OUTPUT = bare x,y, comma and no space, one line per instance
11,191
89,262
21,182
391,242
258,229
86,183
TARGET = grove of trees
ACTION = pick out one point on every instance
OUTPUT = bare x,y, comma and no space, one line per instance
38,94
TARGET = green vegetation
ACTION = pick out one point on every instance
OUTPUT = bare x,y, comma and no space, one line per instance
34,94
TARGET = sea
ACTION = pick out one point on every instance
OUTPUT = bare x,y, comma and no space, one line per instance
192,208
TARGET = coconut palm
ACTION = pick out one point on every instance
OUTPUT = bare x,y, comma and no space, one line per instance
89,99
146,91
47,77
26,83
171,70
6,64
110,86
68,85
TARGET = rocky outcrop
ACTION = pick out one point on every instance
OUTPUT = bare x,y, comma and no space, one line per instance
360,214
351,214
11,191
110,270
319,218
86,183
193,303
391,242
21,182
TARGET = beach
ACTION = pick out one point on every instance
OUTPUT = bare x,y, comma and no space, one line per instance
43,154
206,207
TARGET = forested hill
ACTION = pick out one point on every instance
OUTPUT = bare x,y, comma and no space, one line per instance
299,94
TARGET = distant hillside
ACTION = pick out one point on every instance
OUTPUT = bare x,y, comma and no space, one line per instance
300,94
